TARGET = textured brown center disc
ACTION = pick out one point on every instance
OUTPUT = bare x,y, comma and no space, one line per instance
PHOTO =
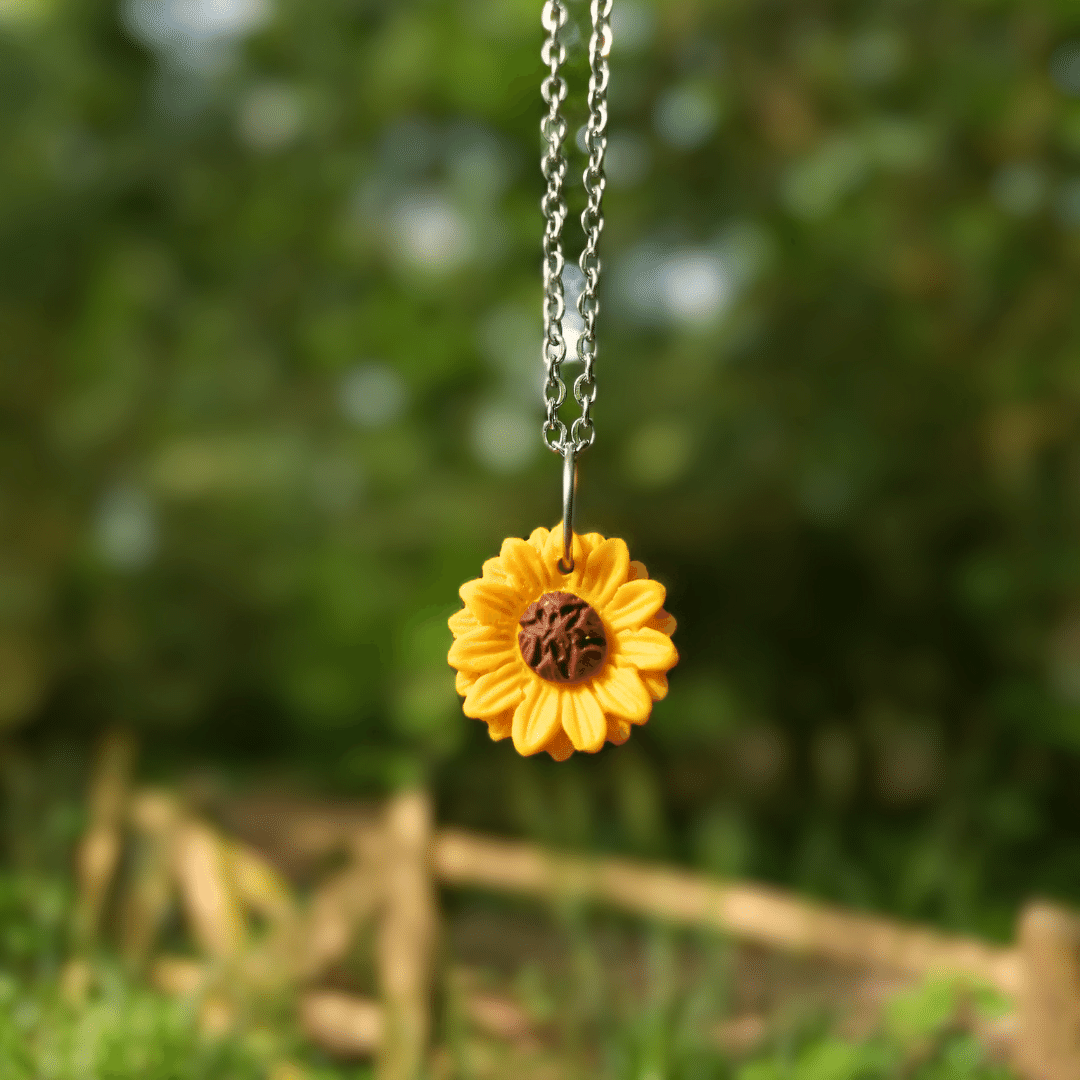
562,638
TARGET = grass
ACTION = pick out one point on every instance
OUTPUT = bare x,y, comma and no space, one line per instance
111,1027
656,1015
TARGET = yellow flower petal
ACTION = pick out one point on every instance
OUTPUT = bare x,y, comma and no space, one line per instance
621,694
463,681
524,567
491,603
499,728
493,570
606,568
664,622
633,605
538,540
461,622
494,692
590,541
645,649
583,719
536,719
637,571
618,731
483,649
656,683
560,747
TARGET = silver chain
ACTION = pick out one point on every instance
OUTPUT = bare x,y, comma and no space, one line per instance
553,205
553,164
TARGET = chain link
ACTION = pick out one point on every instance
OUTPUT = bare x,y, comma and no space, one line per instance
553,205
553,165
582,432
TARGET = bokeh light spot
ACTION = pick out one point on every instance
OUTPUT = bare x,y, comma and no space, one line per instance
1065,68
693,286
816,185
686,116
633,26
431,233
505,438
126,528
192,32
270,117
372,395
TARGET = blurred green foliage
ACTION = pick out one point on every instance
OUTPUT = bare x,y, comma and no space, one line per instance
123,1034
51,1031
269,312
920,1040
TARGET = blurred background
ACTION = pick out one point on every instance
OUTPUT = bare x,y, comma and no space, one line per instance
270,370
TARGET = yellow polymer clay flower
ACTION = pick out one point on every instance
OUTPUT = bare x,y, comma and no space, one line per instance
562,662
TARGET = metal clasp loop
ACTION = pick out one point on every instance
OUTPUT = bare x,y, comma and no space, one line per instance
569,493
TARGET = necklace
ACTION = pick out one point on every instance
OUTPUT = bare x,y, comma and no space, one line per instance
563,643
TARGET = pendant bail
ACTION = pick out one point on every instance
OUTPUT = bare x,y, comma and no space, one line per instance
569,493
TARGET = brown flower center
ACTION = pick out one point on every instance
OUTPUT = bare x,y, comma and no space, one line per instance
562,638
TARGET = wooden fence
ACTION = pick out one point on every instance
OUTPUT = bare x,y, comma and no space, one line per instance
395,858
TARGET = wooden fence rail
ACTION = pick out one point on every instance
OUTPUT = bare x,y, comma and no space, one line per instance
750,912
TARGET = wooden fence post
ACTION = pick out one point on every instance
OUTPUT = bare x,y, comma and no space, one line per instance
1048,1044
98,853
406,937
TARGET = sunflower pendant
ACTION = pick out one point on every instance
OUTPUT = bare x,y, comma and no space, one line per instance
562,662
